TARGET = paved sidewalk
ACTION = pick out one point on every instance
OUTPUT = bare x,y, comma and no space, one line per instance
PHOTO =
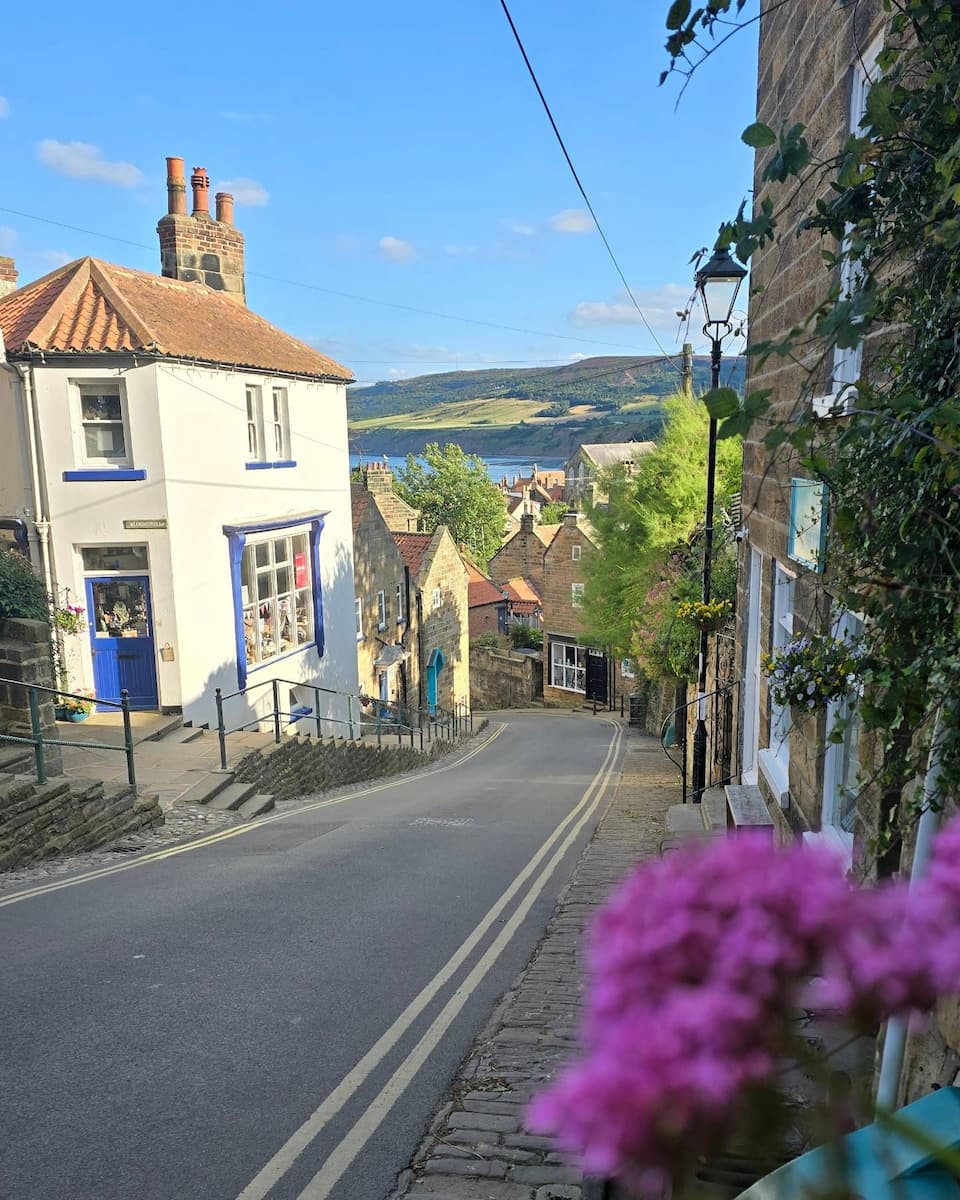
477,1147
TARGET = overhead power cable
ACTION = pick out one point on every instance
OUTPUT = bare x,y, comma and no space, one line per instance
576,177
315,287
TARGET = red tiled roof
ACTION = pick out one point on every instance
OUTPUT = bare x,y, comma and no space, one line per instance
360,500
93,307
522,591
413,546
480,588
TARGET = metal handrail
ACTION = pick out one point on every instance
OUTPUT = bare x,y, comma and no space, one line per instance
38,741
680,724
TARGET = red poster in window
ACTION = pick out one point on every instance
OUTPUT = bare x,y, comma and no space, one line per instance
300,570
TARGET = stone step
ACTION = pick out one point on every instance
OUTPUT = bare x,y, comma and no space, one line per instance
205,789
714,806
185,734
232,796
746,806
256,806
16,758
171,726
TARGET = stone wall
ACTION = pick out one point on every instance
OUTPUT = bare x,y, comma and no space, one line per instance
446,628
303,766
521,555
25,657
502,679
40,821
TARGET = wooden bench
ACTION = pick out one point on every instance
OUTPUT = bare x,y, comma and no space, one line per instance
745,807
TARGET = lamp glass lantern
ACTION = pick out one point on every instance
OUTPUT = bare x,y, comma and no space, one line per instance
718,283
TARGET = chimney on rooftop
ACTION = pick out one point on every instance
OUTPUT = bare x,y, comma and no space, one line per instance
526,522
194,247
8,276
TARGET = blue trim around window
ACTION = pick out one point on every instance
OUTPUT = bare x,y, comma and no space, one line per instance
236,540
808,546
267,466
104,475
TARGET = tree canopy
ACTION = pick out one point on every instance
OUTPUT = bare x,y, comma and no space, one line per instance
644,529
452,488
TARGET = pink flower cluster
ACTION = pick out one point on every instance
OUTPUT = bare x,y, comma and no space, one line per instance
698,964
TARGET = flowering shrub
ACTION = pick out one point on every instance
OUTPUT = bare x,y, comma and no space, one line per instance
813,669
71,618
697,967
81,702
707,615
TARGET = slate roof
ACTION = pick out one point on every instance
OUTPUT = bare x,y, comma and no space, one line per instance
608,454
93,307
413,547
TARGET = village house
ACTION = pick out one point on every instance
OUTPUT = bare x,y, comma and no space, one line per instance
808,784
524,603
574,670
411,602
583,468
488,603
522,553
180,469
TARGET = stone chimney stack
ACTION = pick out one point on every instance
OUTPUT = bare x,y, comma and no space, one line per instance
8,276
571,519
526,522
194,247
378,478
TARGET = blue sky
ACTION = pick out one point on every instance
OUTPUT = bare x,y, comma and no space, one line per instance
394,152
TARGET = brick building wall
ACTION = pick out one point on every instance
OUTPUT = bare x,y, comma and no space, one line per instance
522,555
788,280
486,618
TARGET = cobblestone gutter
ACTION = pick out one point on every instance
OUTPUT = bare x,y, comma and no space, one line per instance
477,1147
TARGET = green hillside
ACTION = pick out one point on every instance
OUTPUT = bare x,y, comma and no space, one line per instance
602,384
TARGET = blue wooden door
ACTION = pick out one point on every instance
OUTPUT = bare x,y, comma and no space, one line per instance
121,639
433,670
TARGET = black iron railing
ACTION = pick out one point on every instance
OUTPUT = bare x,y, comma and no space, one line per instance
723,758
39,742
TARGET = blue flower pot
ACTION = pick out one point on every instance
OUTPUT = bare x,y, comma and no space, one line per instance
77,716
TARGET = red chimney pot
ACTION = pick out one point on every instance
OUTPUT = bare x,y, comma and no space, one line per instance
225,208
176,186
200,182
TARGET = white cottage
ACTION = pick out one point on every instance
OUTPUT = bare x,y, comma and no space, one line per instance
181,467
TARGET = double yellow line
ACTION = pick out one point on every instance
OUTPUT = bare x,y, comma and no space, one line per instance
144,860
346,1151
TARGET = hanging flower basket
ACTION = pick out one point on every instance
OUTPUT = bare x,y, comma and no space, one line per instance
70,619
709,616
811,670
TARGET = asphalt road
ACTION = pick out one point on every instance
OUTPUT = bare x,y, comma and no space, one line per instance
276,1014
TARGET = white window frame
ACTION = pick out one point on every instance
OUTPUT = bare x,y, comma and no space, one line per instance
840,758
270,624
751,669
279,424
437,599
774,760
88,387
381,611
626,669
568,662
848,362
401,607
358,611
575,552
253,398
576,595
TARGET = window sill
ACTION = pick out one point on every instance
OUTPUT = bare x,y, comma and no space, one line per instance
269,466
252,667
835,839
777,776
574,691
104,475
382,628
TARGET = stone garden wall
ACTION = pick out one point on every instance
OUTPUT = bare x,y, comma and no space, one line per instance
502,679
25,657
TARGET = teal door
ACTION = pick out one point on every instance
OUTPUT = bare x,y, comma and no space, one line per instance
434,666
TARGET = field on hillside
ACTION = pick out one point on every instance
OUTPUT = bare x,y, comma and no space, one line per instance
500,412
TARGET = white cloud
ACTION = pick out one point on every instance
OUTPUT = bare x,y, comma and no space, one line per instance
518,228
577,357
56,258
396,250
659,305
80,160
8,239
244,191
4,107
572,220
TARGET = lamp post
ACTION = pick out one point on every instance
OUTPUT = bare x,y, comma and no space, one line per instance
718,283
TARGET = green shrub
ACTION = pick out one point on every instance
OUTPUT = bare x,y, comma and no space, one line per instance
21,590
522,637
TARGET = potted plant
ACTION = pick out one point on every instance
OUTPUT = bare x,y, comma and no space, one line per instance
74,707
811,670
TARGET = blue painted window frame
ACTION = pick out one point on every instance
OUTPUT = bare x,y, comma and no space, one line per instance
803,500
104,474
236,540
270,466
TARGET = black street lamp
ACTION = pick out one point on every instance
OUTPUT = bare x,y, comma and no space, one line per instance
718,282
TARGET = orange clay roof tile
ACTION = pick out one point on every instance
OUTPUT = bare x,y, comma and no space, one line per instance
93,307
